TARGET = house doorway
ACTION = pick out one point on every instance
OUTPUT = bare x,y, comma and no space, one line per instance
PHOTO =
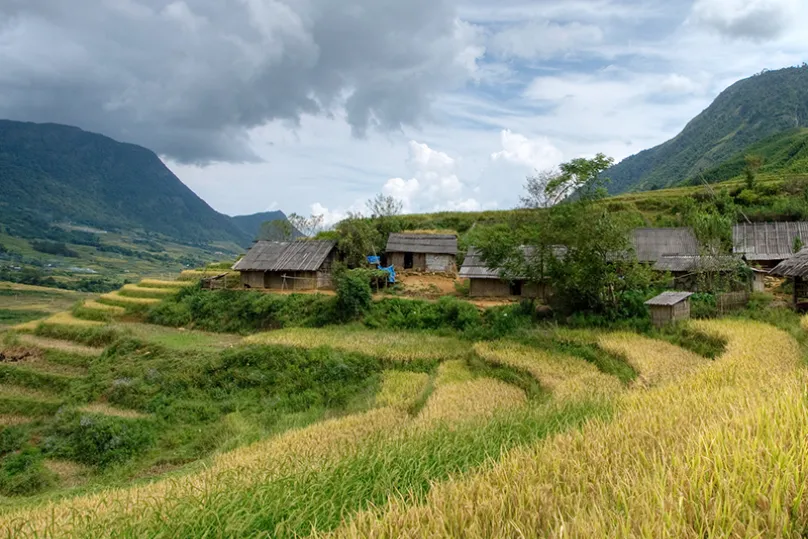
407,260
516,288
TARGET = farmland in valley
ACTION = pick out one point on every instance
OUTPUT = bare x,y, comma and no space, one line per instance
113,426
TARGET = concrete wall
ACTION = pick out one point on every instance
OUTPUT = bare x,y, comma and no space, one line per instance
440,263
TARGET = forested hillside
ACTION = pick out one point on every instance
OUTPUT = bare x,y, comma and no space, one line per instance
251,224
749,111
60,174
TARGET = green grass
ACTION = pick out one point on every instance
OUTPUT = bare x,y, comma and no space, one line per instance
12,317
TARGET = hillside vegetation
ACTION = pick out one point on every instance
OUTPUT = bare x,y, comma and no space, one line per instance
54,173
749,111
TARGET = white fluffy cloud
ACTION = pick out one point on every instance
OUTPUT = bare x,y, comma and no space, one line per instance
758,20
538,153
544,39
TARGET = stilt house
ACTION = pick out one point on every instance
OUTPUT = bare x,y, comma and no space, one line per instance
768,244
288,265
422,252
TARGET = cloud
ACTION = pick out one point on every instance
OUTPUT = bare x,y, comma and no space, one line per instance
756,20
190,79
544,39
537,153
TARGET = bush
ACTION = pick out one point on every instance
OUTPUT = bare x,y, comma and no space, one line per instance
97,440
354,296
703,306
24,473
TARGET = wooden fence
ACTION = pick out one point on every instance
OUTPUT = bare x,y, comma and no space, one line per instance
731,301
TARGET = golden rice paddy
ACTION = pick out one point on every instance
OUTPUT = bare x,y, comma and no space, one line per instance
719,453
96,306
401,389
390,346
158,283
465,401
143,291
565,376
655,361
101,408
58,319
116,297
57,344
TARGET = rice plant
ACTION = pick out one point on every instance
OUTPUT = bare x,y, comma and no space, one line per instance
401,389
655,361
719,453
565,376
390,346
139,291
116,298
158,283
111,309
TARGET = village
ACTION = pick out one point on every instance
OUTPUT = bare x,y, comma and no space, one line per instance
764,250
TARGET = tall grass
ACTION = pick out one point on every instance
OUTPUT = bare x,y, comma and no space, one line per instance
719,453
389,346
565,376
401,389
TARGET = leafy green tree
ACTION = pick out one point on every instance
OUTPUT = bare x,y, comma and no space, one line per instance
354,296
582,178
753,165
797,245
357,238
308,226
277,230
382,206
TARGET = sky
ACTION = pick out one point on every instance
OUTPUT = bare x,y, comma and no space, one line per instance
315,106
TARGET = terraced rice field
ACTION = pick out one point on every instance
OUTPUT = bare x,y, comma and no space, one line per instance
401,346
116,298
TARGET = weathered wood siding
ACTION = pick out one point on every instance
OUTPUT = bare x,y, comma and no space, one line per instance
488,288
418,261
662,315
759,282
440,263
252,279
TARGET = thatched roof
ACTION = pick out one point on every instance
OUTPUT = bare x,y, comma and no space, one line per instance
474,267
651,244
796,266
442,244
768,241
300,255
669,298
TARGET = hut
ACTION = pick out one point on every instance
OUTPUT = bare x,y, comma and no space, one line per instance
795,268
669,307
287,265
768,244
686,269
422,252
652,244
487,282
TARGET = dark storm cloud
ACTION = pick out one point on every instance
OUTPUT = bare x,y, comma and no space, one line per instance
188,79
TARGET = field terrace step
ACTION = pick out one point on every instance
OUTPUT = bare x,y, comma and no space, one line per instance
19,400
103,307
45,343
115,298
102,408
158,283
58,319
138,291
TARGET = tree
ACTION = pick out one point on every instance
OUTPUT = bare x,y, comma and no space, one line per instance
582,178
584,250
308,226
357,238
536,188
797,245
382,206
753,165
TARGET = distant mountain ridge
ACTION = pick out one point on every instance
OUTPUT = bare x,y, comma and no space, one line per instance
747,112
251,224
52,173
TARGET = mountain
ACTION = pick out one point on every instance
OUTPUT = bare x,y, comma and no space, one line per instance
251,224
749,111
53,173
782,155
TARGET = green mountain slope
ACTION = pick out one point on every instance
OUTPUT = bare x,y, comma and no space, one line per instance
54,174
743,114
251,224
783,155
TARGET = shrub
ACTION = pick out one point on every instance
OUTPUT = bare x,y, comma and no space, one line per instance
354,296
703,306
24,473
97,440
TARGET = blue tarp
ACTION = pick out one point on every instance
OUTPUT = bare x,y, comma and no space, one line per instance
374,260
391,270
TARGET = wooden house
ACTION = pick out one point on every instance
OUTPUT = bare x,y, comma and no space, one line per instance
795,268
768,244
653,244
488,282
287,265
422,252
669,307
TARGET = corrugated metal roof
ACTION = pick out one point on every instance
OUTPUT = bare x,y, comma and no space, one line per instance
301,255
651,244
796,266
669,298
768,241
422,243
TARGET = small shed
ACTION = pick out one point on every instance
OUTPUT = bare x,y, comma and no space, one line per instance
759,279
669,307
487,282
795,269
422,252
768,244
288,265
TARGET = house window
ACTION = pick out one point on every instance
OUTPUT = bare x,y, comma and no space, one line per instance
407,260
516,288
